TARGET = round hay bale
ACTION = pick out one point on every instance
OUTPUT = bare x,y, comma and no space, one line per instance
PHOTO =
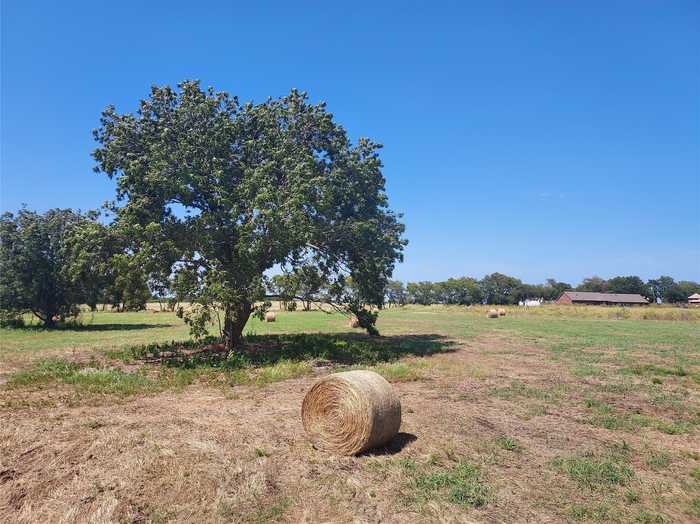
270,316
492,313
350,412
501,312
354,323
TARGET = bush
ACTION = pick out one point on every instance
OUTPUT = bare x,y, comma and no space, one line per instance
11,319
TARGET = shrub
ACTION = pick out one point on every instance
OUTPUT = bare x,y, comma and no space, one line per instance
11,319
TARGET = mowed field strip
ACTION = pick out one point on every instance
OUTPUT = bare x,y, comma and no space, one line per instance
552,414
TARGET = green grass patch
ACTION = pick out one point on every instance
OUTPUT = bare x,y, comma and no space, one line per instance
594,512
408,371
594,474
603,416
652,369
457,482
282,370
631,496
518,389
587,370
271,512
694,507
658,460
264,350
100,380
644,516
508,443
264,360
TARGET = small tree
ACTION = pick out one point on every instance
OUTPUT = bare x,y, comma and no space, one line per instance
227,191
285,287
35,264
302,283
129,290
310,281
395,293
90,248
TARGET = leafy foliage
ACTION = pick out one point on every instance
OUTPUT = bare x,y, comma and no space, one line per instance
303,283
226,191
35,264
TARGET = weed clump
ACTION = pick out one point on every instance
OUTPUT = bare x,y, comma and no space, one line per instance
458,482
594,474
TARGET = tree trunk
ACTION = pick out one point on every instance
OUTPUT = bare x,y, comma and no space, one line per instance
235,318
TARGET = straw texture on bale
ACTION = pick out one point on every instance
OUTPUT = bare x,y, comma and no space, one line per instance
354,323
501,312
270,316
492,313
350,412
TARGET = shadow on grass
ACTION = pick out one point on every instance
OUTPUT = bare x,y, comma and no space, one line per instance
261,350
71,326
400,441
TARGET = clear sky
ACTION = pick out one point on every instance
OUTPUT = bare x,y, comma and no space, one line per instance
540,139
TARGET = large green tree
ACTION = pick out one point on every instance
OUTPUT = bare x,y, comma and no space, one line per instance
226,191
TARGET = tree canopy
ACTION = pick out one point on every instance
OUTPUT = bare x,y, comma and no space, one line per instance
225,191
38,267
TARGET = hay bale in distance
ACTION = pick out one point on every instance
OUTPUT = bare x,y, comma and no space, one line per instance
501,312
354,323
270,316
492,313
350,412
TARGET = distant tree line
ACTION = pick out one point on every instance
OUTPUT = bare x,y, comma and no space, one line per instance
501,289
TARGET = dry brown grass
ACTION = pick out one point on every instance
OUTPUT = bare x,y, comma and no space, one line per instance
651,312
239,454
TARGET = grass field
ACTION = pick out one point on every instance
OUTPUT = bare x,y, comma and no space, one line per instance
551,414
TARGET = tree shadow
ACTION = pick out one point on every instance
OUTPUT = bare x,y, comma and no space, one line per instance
324,349
400,441
70,326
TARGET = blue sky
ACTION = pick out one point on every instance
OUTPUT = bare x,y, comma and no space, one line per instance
539,139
